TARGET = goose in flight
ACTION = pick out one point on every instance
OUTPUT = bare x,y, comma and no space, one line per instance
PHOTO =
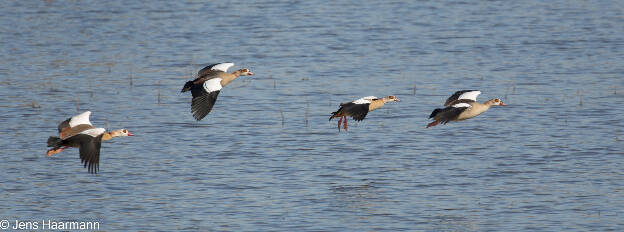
460,106
78,131
359,108
206,87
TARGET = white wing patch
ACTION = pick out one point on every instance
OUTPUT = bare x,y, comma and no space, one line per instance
364,100
459,105
212,85
472,95
95,132
80,119
222,66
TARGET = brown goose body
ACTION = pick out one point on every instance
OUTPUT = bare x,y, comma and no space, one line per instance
474,110
461,106
358,109
206,87
78,132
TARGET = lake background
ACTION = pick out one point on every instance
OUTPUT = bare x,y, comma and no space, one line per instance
267,159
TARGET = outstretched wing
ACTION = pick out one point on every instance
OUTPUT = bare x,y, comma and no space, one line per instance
218,67
75,125
89,151
82,118
72,131
204,97
364,100
357,111
467,95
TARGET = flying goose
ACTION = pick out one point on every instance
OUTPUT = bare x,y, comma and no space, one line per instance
460,106
206,87
78,132
359,108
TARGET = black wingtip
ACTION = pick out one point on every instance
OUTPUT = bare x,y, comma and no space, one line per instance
333,115
54,141
187,86
434,113
202,104
92,167
198,117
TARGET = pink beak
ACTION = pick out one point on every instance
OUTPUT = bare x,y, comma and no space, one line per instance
130,134
502,104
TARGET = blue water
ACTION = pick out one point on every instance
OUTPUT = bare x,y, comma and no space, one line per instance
550,161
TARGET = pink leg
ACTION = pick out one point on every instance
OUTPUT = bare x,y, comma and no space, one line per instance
345,123
433,123
339,122
55,151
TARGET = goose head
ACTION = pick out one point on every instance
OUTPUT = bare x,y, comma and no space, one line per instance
495,102
391,98
244,72
120,133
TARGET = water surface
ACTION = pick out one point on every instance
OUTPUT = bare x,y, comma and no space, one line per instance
550,161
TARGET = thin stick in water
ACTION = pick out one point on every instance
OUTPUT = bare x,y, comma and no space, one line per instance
581,101
414,90
282,114
307,112
580,93
190,76
90,89
159,92
506,92
77,102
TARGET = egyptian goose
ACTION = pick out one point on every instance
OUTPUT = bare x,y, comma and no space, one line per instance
359,108
461,106
78,132
206,87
